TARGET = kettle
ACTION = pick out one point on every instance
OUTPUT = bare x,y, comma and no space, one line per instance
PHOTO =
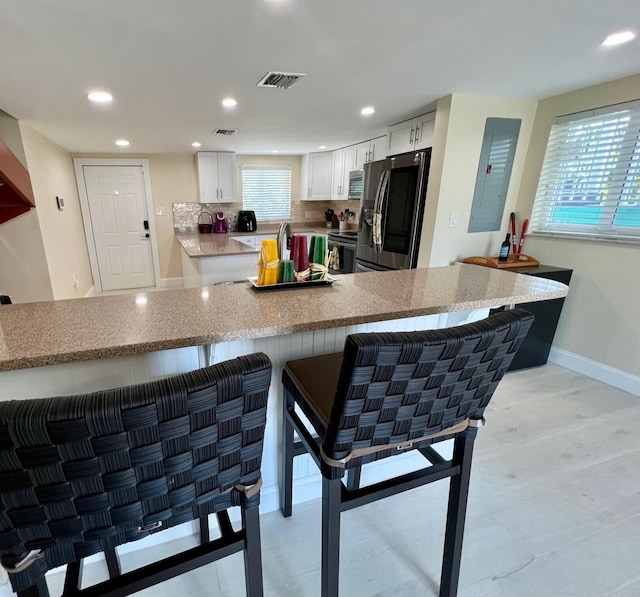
220,224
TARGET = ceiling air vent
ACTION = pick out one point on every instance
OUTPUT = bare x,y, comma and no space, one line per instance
279,80
227,132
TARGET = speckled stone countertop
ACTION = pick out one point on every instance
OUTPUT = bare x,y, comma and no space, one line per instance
48,333
212,245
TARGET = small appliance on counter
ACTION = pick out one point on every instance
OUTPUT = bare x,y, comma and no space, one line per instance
220,224
247,221
205,224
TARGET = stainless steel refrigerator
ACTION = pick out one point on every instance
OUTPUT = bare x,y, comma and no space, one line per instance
391,212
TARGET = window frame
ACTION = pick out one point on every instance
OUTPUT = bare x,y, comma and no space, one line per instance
596,152
280,213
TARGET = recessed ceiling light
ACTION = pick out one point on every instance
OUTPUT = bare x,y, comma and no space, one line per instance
101,97
275,151
322,147
229,102
618,38
122,143
196,144
367,111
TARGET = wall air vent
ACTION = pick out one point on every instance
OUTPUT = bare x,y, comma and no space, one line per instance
279,80
227,132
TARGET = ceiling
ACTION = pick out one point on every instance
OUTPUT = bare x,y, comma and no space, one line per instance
169,64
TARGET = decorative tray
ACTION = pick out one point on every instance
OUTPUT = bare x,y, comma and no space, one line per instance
512,261
289,285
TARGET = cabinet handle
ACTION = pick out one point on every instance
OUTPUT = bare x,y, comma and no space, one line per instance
411,137
417,139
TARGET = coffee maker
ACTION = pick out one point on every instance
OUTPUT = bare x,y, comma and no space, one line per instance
247,221
219,224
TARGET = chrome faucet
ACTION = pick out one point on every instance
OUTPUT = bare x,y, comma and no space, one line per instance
284,239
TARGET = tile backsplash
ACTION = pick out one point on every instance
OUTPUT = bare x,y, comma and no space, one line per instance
185,215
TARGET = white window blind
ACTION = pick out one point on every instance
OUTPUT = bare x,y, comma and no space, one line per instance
590,180
267,191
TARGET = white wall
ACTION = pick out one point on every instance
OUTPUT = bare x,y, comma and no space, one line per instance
601,317
459,131
52,175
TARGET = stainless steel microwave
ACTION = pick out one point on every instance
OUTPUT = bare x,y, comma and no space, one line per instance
356,184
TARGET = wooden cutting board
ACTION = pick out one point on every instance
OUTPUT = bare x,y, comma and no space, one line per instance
517,261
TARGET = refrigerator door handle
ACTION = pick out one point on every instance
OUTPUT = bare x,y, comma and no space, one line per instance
377,212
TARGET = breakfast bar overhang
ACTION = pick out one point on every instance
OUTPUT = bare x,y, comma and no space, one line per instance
83,345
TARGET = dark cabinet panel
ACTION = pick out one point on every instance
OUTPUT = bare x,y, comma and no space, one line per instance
536,346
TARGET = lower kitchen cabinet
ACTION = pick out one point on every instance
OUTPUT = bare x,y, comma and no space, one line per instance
206,271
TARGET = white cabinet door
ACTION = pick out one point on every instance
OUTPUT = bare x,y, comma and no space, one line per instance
337,176
207,167
409,135
424,126
227,176
216,176
400,137
378,149
361,154
316,176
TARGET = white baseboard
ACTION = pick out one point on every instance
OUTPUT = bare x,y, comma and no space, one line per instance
604,373
171,283
90,292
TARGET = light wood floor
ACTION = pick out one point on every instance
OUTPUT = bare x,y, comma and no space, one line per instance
554,511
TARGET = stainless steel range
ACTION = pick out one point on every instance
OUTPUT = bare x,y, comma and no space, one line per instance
345,242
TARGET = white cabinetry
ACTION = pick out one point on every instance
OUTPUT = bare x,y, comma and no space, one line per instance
315,183
216,176
369,151
410,135
342,165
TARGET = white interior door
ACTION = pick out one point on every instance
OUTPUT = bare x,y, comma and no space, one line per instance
118,210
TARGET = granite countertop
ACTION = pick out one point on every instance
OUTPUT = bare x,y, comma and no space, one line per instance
212,245
48,333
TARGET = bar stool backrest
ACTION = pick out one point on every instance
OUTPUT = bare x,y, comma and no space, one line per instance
83,474
399,387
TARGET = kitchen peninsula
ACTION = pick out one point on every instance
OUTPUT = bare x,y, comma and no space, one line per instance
217,258
78,346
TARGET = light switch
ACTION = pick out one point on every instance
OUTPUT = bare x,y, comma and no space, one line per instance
453,220
159,211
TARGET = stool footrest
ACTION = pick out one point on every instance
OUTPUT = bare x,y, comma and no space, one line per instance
157,572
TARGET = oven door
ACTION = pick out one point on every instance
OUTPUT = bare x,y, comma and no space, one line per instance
346,259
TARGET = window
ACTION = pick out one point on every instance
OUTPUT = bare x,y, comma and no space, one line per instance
590,180
267,191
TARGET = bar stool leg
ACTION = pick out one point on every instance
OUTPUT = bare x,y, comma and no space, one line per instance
353,478
331,507
113,562
456,513
286,474
252,553
38,590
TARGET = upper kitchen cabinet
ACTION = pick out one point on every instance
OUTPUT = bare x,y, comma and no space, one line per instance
315,183
410,135
369,151
343,163
216,176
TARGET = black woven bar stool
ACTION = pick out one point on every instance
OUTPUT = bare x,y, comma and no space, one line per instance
388,393
81,475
